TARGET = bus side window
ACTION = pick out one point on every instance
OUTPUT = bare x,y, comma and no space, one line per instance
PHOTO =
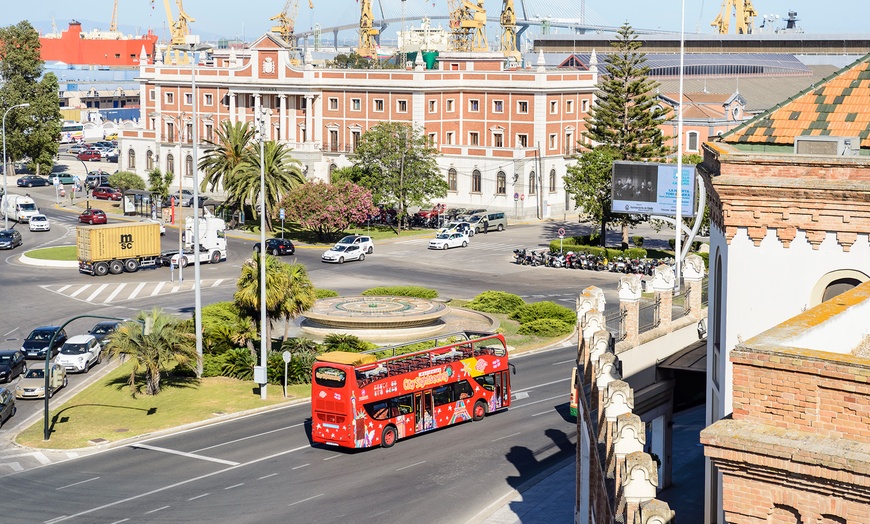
402,405
443,395
486,382
463,390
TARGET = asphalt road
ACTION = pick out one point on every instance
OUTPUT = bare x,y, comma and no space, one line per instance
263,468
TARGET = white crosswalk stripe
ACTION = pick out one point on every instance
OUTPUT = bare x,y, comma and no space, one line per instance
114,293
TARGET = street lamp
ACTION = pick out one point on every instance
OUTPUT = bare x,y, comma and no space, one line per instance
263,342
195,48
5,164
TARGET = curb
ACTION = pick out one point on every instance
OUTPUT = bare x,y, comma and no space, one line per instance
66,264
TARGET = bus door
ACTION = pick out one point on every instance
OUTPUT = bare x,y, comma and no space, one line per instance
423,411
502,395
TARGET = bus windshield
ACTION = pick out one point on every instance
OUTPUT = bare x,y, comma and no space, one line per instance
374,398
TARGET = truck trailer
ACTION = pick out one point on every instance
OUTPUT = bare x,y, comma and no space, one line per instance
18,207
116,248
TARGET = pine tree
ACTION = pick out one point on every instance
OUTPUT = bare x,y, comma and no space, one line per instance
33,131
625,118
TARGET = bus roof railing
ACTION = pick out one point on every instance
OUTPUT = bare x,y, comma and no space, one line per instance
465,336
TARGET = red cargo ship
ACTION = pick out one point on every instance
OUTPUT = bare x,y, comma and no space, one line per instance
102,48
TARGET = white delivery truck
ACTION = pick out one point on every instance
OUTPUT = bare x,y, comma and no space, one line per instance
212,243
18,207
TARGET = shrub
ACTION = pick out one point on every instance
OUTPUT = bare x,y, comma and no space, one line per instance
587,240
546,327
238,363
672,243
696,245
637,241
539,310
343,342
325,293
495,302
401,291
212,365
611,253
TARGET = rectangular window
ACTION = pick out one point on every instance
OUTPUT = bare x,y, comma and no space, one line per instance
497,140
379,105
474,106
170,132
170,98
473,139
553,141
522,107
355,136
450,106
433,139
152,95
498,106
401,106
569,106
433,106
188,99
448,139
355,104
554,107
333,104
584,106
209,132
209,99
692,141
522,140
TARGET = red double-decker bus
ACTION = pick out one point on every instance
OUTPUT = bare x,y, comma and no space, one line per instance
360,401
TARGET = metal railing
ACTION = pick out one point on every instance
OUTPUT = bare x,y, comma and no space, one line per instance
616,319
680,305
649,317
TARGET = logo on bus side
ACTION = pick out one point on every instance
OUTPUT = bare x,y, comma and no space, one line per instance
428,378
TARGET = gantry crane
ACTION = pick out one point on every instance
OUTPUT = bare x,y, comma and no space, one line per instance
467,26
287,20
368,47
509,30
745,14
179,30
113,25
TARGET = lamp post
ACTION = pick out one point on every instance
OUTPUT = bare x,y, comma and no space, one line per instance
679,222
5,164
264,348
195,48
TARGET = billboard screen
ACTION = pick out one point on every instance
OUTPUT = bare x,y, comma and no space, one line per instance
647,188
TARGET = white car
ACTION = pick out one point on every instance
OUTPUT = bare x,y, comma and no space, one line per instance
448,240
340,253
457,227
358,240
40,223
80,353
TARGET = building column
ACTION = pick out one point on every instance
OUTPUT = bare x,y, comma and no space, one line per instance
629,305
233,115
282,118
309,120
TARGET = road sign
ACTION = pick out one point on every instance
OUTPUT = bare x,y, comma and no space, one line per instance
286,356
281,213
561,232
523,196
516,196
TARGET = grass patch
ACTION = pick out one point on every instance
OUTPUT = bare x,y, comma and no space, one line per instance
54,253
510,329
106,409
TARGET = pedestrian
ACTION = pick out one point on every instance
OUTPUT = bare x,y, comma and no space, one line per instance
485,225
171,270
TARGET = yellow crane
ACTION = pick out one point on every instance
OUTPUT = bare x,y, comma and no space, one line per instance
113,25
367,32
467,26
287,20
179,30
509,30
744,12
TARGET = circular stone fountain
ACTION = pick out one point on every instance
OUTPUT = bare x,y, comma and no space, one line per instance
387,319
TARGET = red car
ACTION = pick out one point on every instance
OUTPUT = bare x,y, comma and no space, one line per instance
93,216
90,154
106,193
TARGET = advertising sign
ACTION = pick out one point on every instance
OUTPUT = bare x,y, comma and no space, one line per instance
651,189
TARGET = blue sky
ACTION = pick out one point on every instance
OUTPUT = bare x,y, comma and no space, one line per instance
250,19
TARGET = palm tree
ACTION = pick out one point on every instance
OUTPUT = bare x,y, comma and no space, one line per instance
282,173
300,295
226,153
247,295
168,342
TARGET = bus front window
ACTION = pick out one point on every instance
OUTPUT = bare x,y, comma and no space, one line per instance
330,377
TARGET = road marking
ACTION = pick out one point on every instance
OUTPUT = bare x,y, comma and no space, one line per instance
115,292
563,362
234,486
302,466
41,458
200,450
57,519
158,288
185,454
411,465
331,457
156,510
304,500
544,384
15,466
267,476
10,332
136,291
97,292
175,289
64,288
543,400
506,436
120,521
75,484
520,396
217,282
74,295
198,496
544,412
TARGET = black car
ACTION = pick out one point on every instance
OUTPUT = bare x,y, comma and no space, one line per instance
103,330
36,343
277,246
7,405
33,181
12,364
10,238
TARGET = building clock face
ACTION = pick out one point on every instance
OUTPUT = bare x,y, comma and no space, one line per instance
268,66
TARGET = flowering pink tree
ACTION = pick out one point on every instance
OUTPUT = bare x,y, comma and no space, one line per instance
327,209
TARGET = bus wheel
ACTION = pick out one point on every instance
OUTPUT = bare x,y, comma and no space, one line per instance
388,437
479,410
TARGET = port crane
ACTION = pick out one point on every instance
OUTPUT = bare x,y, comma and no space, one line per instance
179,30
367,47
113,25
287,20
509,30
467,26
745,14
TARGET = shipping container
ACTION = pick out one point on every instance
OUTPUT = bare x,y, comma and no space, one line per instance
118,247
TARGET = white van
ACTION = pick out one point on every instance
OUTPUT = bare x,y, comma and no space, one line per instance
497,221
19,208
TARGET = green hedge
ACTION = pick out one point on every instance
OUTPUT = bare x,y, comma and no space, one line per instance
546,309
610,253
325,293
495,302
401,291
545,327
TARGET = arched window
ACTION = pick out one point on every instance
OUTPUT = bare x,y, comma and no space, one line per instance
475,181
131,159
149,160
500,183
835,283
170,163
533,186
332,168
451,179
188,166
553,180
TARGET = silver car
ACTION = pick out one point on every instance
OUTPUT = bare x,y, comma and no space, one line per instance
340,253
40,223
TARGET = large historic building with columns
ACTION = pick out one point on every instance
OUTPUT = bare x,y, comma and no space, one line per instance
505,135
